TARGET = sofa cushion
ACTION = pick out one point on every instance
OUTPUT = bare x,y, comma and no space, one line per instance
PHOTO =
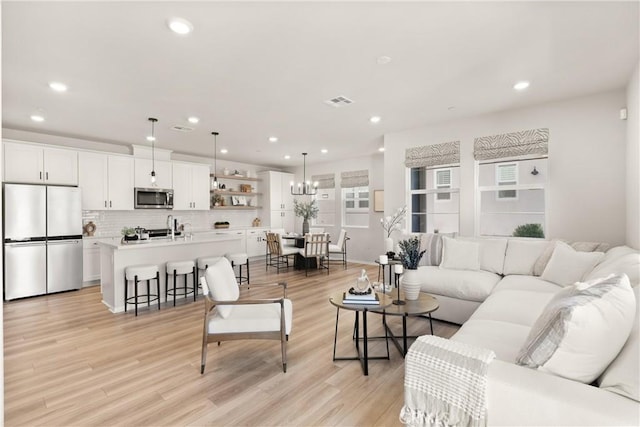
462,284
492,253
504,338
627,263
522,255
568,266
460,254
622,375
514,306
526,283
581,329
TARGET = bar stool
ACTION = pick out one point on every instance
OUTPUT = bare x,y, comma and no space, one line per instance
138,273
179,268
239,259
203,263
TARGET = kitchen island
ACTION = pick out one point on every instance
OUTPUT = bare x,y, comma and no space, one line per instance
115,257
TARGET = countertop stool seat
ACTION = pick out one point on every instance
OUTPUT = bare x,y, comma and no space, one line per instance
239,259
202,264
139,273
179,268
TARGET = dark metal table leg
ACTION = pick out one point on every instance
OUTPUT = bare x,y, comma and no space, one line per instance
404,335
366,344
335,336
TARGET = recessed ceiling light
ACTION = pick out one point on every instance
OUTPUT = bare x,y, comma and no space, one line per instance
375,119
287,157
382,60
224,151
58,87
381,149
193,119
324,151
37,117
151,138
521,85
180,26
273,139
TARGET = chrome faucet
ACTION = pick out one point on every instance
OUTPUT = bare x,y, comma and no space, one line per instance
170,226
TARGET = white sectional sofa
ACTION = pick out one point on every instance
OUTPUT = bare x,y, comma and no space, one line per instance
499,298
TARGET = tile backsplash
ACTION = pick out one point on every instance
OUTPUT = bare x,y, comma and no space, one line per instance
109,223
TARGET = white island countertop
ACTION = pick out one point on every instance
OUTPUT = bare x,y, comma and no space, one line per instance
160,242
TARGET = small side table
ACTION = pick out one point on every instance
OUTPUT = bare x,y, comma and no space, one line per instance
422,307
363,357
389,265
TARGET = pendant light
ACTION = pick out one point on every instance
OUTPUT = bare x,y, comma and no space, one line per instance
214,184
304,188
152,138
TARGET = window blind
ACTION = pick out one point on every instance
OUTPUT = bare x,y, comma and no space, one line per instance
445,153
327,180
354,179
510,145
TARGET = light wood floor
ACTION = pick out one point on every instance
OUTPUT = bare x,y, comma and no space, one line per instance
69,361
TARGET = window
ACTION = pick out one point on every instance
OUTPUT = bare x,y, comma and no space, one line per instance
355,206
435,199
507,174
326,201
443,180
511,194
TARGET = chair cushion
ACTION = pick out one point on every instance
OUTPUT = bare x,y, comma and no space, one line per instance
335,248
144,272
203,262
237,258
568,266
221,281
180,267
460,254
582,329
622,375
252,318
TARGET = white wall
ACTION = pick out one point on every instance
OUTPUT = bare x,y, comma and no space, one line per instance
633,161
366,243
587,149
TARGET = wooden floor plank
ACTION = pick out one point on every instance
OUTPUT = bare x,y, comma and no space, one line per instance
69,361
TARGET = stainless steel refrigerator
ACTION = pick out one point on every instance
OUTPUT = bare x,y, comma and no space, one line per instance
42,240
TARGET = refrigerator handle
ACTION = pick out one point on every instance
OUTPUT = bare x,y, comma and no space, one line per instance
22,244
63,242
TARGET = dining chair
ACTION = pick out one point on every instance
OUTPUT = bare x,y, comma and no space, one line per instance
278,254
315,246
340,247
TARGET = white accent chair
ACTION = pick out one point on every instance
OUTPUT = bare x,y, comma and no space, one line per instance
340,248
227,317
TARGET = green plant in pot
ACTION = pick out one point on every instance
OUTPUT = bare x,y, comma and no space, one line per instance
529,230
306,210
410,256
129,233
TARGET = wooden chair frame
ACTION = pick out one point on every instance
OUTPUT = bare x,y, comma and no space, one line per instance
210,303
316,246
274,256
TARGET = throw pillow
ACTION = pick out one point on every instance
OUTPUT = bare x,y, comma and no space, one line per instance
568,266
221,281
581,330
492,253
522,254
432,243
460,254
622,375
543,259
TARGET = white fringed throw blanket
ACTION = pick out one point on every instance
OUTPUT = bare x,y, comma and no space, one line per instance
445,383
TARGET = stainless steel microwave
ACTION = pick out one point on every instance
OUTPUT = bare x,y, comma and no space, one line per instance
153,198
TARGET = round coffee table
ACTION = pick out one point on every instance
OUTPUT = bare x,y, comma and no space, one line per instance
385,302
422,307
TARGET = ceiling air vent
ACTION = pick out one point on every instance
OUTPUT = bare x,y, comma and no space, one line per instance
338,101
179,128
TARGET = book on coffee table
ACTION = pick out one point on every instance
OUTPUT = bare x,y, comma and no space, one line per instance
369,299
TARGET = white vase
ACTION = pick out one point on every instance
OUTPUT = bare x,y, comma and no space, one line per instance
388,244
411,284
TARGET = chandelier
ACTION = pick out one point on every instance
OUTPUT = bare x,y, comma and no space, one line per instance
304,188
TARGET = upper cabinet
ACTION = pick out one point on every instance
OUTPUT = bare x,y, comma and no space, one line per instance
106,181
143,169
40,165
190,186
278,187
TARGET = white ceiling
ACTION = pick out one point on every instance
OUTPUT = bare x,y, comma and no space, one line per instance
254,70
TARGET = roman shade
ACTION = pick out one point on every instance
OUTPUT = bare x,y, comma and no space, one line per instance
533,142
354,179
327,180
445,153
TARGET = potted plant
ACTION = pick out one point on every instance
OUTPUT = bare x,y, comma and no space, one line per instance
306,210
410,256
529,230
129,233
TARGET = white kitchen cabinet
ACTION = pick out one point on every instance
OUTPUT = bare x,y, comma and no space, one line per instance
39,165
106,181
256,244
91,257
143,168
190,186
239,233
278,201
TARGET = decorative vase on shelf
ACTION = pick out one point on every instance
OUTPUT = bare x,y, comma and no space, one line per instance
388,244
305,226
411,284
